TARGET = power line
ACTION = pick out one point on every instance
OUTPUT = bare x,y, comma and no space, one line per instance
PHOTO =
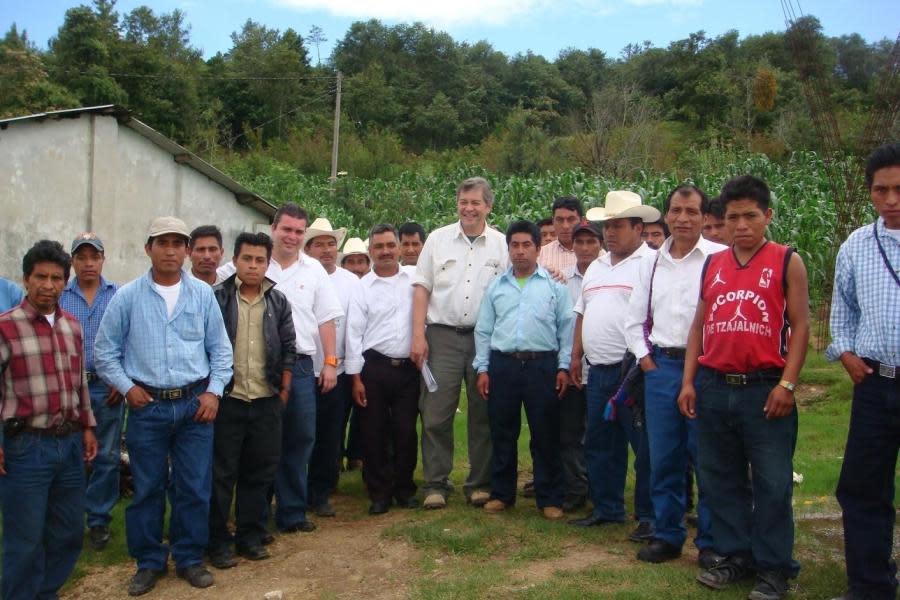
205,77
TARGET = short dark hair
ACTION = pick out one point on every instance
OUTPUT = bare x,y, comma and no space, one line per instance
746,187
568,203
46,251
411,228
383,228
687,190
662,224
524,226
881,158
544,222
480,183
253,239
716,209
289,209
206,231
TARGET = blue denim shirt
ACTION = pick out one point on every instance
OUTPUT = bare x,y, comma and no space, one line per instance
138,341
537,318
89,315
11,295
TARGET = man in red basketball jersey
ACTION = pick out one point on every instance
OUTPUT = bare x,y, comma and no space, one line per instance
748,340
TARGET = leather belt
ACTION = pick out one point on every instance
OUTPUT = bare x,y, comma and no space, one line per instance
61,430
376,356
178,393
458,330
91,376
753,377
883,370
529,355
673,353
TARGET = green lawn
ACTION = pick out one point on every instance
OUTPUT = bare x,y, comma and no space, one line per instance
465,553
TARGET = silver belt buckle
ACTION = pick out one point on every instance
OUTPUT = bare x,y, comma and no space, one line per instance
889,371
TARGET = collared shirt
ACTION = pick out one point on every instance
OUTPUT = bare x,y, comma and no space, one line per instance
344,283
574,280
310,292
604,302
42,368
865,306
556,256
380,317
89,315
676,291
11,295
139,342
250,380
537,318
456,272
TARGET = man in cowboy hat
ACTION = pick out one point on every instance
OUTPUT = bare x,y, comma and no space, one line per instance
600,337
322,243
355,257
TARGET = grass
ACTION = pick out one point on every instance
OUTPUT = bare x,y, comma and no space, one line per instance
465,553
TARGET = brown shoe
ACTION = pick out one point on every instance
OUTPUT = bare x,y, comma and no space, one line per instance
479,498
553,513
494,506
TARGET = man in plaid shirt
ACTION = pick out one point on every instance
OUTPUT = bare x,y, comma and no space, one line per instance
47,431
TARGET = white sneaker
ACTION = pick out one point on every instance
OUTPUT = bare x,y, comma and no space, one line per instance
434,501
479,498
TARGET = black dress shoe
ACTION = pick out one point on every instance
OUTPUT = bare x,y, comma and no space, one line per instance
98,536
379,507
642,533
266,539
325,510
658,551
410,502
304,526
144,580
572,504
708,558
222,558
253,552
591,521
196,575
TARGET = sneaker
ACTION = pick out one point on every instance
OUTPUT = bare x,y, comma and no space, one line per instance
144,580
726,572
98,536
494,506
658,551
770,585
479,498
196,575
435,501
642,533
552,513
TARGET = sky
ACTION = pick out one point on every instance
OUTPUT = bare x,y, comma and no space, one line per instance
542,26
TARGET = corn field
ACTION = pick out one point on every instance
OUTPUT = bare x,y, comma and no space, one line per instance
804,209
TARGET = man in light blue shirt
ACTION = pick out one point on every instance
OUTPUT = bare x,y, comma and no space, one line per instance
865,333
163,345
86,297
11,295
523,343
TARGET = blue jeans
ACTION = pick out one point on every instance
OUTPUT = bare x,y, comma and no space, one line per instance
42,498
297,441
606,450
164,431
753,522
866,487
532,383
672,438
323,464
103,483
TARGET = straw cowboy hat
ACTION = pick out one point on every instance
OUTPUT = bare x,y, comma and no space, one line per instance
354,245
621,204
322,226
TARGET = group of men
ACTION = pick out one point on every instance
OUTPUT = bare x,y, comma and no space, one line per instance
623,327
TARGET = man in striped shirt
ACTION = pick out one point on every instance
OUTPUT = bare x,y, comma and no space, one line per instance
559,255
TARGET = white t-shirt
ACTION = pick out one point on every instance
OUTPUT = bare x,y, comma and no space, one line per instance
170,294
51,318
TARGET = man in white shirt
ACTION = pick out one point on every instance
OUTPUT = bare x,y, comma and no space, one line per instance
322,243
600,338
659,318
314,308
385,381
457,263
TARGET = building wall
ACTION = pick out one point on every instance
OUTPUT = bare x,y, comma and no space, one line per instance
59,177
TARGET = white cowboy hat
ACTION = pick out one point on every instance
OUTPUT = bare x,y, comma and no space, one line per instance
354,245
595,214
322,226
621,204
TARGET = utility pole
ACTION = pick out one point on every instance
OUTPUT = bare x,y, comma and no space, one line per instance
337,130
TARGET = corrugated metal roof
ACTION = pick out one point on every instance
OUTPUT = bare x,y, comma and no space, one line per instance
179,153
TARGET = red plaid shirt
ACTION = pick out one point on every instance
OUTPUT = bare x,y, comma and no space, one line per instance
42,376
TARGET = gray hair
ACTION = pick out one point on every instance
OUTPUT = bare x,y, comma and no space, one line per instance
477,183
383,228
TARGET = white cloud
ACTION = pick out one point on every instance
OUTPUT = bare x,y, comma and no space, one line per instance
437,12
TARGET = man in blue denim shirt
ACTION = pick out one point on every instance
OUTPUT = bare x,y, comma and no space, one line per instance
11,295
86,296
163,344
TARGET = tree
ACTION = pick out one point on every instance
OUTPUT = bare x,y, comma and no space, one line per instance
317,36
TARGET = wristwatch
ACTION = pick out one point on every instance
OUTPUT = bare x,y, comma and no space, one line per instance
331,361
787,385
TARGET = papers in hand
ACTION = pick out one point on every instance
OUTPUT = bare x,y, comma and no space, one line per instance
428,378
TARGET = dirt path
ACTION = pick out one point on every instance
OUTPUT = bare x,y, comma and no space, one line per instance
344,558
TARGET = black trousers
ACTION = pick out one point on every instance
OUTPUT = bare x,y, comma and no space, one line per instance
246,450
389,419
323,464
